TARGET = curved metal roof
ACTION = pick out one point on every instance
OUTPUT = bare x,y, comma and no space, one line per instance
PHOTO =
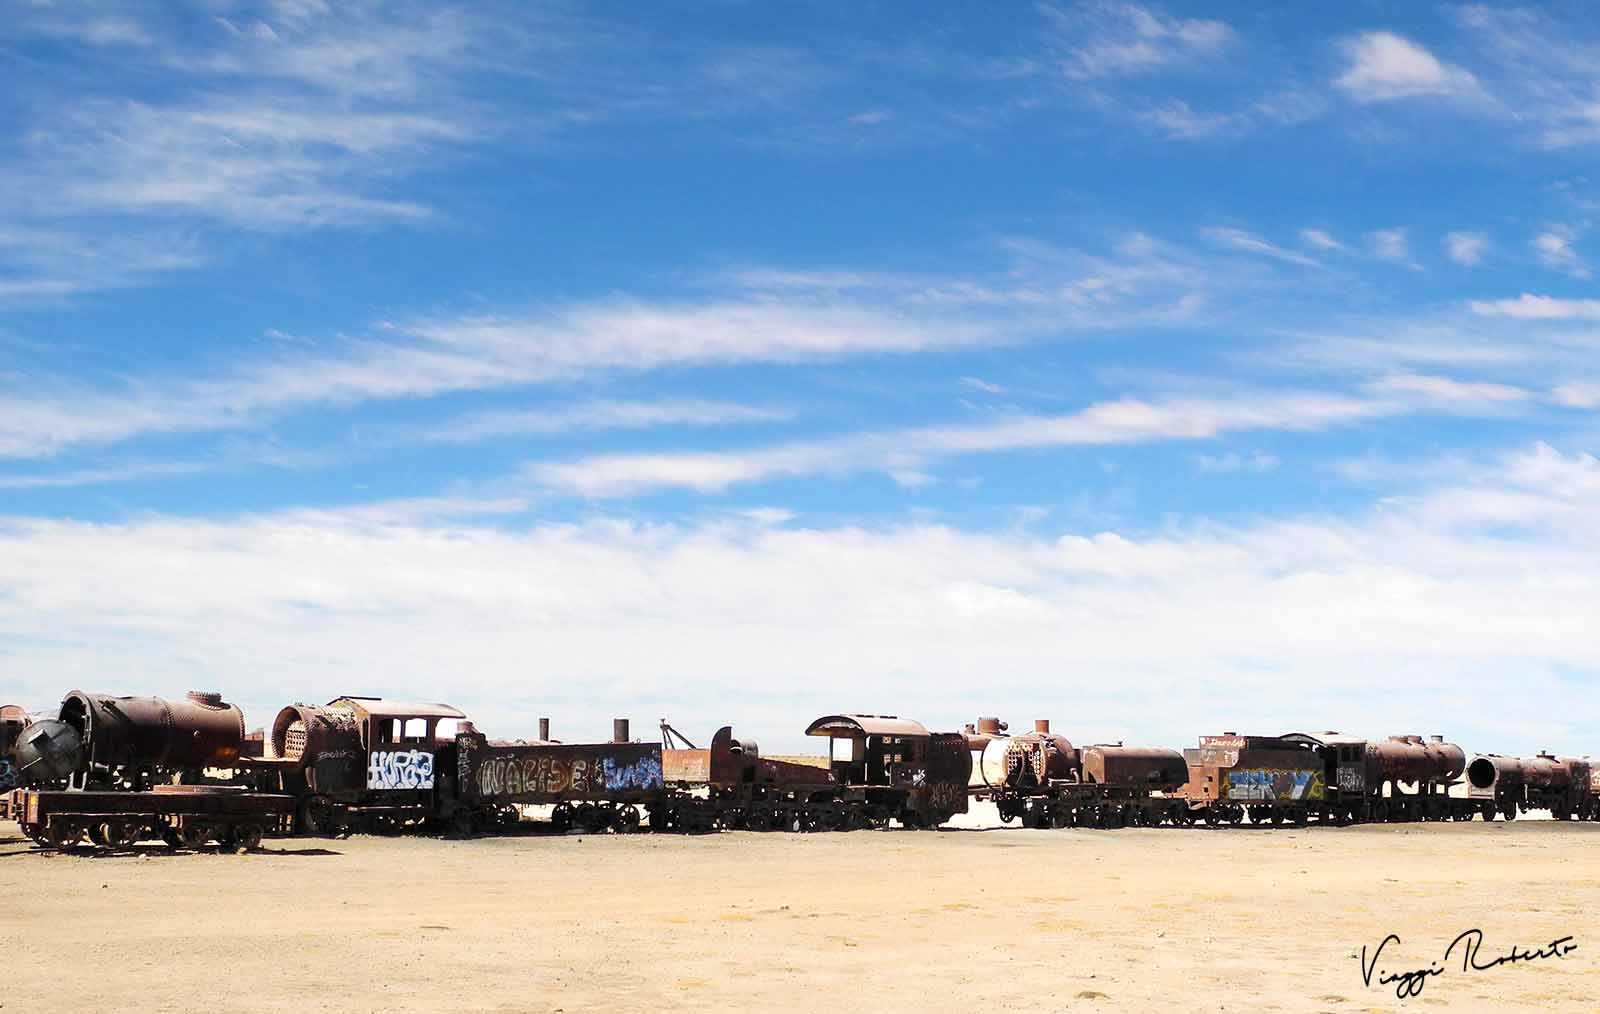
382,707
866,725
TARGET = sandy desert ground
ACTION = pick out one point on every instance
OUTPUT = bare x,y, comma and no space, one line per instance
955,920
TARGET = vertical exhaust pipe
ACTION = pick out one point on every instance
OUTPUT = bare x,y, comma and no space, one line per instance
544,729
619,730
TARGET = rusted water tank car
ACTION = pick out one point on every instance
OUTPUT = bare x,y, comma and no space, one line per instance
1048,782
362,763
129,743
1565,786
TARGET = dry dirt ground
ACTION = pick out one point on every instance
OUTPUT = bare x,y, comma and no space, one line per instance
958,920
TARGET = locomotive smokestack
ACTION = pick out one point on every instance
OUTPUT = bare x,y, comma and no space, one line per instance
544,729
991,726
1041,725
619,730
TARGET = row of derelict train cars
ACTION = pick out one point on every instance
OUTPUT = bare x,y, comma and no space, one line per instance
111,771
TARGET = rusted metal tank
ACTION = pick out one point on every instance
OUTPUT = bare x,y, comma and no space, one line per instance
1413,759
1492,772
1154,767
198,731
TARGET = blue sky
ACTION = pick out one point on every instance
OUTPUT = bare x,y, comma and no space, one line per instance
1152,368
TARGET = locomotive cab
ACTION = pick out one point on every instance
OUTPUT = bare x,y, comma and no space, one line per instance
897,763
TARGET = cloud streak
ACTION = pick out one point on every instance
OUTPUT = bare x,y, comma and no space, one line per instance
1125,421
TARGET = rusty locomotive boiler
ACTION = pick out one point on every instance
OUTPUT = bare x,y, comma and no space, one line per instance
1565,786
1043,779
109,742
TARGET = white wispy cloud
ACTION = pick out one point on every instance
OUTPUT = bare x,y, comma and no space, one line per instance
1389,244
1233,461
1450,390
1578,395
1321,239
1555,250
1384,66
1466,247
1545,68
474,427
1249,242
1432,598
1529,306
1107,423
765,316
463,354
1096,40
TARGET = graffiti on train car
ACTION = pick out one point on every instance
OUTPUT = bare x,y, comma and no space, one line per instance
400,769
1276,783
514,776
8,775
643,774
1352,779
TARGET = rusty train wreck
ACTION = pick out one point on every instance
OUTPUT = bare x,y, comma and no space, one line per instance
111,771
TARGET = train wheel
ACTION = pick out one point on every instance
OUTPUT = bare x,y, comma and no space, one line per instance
1236,816
628,820
1510,811
314,818
561,818
194,835
245,837
123,834
63,835
758,818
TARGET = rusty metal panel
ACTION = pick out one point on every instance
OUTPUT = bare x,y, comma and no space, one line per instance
549,773
949,769
691,766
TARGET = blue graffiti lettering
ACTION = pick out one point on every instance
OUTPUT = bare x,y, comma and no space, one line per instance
644,773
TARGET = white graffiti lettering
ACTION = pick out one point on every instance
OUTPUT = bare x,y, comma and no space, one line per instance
403,769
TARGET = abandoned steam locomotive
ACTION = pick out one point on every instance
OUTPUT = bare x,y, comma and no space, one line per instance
116,770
